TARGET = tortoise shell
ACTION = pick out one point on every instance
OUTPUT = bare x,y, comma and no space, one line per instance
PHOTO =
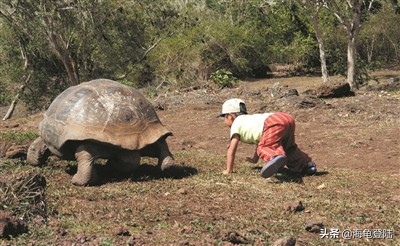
104,111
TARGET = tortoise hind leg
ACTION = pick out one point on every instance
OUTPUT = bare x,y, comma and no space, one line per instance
38,153
86,174
124,162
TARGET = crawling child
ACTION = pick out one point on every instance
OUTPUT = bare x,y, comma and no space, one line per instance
273,133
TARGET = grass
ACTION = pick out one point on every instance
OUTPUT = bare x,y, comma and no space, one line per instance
205,207
18,137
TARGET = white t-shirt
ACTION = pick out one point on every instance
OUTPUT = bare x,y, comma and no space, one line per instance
249,127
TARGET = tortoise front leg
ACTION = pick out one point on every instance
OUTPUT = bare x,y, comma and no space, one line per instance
165,158
86,173
161,151
38,153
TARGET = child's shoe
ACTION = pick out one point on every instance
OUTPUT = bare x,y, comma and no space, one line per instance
311,169
273,166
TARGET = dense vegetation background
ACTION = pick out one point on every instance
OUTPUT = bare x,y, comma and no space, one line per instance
47,46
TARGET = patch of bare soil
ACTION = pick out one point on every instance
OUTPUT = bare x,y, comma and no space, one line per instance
359,132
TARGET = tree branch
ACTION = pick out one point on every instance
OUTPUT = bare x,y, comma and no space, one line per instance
14,102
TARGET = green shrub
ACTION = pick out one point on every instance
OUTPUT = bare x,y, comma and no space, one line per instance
176,60
223,78
5,97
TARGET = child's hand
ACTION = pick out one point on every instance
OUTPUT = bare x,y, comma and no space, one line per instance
252,160
226,172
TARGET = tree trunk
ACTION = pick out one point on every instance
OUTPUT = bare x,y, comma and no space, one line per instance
322,54
353,29
70,67
352,25
324,69
351,62
61,50
370,49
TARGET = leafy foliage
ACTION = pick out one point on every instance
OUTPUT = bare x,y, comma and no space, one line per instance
4,97
379,41
223,78
145,43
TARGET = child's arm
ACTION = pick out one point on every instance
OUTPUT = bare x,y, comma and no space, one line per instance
230,155
254,158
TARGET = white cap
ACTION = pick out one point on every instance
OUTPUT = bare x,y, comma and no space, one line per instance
234,105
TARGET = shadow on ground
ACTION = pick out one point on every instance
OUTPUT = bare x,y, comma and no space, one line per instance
151,172
285,175
145,172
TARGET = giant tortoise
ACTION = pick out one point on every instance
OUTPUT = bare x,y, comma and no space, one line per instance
101,119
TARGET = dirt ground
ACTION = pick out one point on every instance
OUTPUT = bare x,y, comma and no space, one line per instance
350,127
359,133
